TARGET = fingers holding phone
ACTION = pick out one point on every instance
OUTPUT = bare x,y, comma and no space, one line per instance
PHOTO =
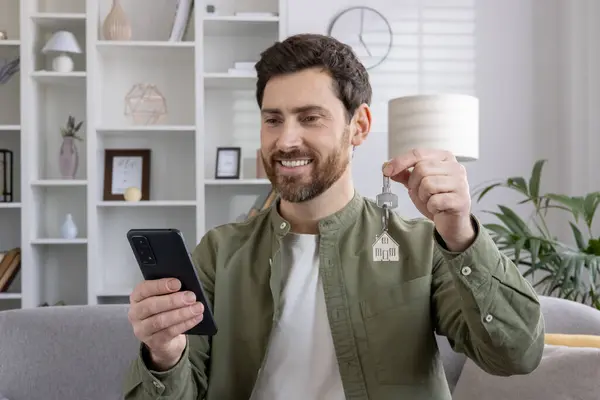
160,315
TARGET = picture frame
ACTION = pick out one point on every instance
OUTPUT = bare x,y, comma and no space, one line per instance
228,163
124,168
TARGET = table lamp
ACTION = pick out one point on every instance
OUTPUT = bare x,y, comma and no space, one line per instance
62,42
440,121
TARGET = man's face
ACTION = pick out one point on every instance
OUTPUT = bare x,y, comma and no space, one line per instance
305,136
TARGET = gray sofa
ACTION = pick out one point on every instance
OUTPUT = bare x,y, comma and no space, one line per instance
81,352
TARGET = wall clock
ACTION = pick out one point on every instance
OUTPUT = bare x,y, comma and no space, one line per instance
367,31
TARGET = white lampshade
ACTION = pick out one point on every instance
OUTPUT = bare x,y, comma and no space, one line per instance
62,42
445,121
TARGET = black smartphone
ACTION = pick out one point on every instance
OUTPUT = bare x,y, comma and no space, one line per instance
162,253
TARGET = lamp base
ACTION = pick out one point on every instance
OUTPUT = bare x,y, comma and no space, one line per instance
62,63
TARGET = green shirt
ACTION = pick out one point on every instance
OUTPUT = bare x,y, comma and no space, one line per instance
383,314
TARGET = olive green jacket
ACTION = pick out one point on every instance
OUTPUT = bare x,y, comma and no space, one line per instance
383,314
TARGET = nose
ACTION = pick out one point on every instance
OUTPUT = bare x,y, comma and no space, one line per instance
290,136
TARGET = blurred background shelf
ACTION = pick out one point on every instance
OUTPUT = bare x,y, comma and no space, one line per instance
57,21
203,104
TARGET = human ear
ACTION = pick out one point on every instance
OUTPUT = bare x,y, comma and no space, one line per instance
361,124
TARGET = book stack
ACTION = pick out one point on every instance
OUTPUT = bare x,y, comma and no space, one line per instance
10,265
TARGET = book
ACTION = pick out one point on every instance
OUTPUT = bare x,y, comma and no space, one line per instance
10,265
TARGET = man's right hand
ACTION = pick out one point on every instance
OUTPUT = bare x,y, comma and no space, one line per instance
160,315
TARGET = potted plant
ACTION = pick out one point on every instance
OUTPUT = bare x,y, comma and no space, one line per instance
569,271
69,156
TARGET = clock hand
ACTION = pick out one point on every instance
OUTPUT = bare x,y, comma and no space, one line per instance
360,38
360,35
362,21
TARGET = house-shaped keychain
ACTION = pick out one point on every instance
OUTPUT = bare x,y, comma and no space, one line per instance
385,248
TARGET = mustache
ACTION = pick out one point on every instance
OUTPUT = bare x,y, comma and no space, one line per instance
290,155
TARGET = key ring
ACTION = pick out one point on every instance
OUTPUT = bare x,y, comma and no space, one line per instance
385,216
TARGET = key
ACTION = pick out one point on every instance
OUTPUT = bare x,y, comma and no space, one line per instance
386,197
387,201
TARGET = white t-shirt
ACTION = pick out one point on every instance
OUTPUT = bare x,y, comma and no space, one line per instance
301,362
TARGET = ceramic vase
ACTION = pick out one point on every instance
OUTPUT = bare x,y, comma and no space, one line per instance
116,25
68,230
68,158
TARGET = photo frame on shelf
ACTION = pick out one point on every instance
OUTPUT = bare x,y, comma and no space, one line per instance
124,169
228,163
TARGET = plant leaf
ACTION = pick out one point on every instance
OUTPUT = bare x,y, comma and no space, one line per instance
581,245
534,181
487,189
498,229
518,183
513,221
573,204
590,205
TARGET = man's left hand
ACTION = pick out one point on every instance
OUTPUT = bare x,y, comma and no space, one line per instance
438,187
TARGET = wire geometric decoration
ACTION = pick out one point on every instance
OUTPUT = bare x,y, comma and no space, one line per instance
145,104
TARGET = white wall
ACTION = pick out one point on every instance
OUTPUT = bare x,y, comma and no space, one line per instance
567,97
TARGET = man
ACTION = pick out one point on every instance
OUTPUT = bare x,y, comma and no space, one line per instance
305,310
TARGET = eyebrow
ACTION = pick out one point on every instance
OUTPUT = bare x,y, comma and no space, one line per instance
296,110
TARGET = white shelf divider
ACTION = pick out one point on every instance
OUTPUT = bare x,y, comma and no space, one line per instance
5,128
58,241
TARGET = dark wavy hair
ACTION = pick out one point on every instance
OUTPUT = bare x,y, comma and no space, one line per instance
303,51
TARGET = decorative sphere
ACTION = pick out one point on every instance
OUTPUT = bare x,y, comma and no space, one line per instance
133,194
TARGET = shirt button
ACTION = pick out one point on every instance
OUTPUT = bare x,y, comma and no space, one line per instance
157,384
488,318
465,271
282,226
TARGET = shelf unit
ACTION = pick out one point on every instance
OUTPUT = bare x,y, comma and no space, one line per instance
11,138
207,108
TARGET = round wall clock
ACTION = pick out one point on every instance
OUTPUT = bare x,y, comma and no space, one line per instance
367,31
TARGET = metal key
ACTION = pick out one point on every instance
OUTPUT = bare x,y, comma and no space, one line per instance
386,197
387,201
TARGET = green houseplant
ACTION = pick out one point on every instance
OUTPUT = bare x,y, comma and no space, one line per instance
555,268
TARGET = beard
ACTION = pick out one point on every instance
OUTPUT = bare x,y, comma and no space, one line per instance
324,172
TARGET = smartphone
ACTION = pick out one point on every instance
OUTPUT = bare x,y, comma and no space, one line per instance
162,253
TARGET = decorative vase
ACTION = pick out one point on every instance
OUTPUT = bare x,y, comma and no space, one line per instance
69,158
68,230
116,25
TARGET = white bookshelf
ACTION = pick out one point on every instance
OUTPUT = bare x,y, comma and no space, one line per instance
207,108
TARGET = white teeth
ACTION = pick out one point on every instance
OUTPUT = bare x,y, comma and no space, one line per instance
294,163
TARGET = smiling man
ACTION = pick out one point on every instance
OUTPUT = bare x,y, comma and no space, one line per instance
304,307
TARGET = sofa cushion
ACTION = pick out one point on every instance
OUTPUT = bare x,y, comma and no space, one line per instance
560,339
564,373
65,352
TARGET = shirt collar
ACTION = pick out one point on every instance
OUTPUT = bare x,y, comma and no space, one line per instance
329,224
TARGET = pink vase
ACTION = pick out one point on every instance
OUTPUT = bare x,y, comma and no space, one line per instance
69,158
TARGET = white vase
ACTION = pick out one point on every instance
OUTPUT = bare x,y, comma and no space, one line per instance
68,229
